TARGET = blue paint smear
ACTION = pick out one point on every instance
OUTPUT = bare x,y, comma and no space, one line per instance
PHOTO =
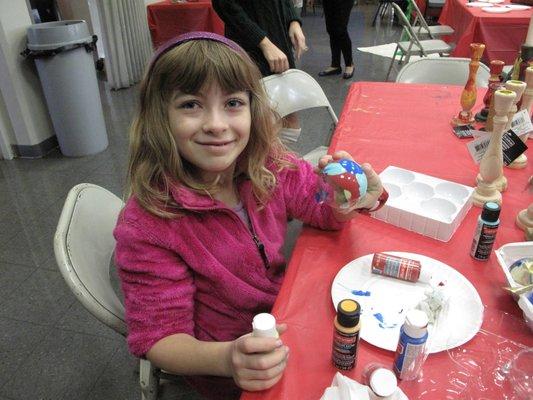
361,292
382,323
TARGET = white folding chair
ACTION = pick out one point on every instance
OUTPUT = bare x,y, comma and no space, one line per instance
444,70
83,247
295,90
414,46
433,31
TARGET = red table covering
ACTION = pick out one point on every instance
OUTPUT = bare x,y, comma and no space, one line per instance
502,34
167,20
408,126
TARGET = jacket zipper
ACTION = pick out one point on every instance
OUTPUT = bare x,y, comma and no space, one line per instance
261,247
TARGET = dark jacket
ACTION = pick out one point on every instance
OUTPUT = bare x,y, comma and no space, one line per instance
247,22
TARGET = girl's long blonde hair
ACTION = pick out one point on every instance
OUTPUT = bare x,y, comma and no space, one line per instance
155,164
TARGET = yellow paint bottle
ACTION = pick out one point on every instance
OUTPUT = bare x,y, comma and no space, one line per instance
346,334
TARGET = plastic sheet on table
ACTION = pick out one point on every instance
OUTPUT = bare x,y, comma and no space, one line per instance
482,367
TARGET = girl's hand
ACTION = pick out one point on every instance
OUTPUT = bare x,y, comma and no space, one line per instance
257,363
297,38
374,188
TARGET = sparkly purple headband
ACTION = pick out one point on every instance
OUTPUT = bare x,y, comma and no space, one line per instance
186,37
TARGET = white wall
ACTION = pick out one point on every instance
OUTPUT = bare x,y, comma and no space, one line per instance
150,1
19,84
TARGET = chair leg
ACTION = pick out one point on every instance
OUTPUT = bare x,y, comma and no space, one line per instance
384,10
378,9
148,380
391,62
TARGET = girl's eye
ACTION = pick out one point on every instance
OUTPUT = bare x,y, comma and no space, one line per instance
189,105
233,103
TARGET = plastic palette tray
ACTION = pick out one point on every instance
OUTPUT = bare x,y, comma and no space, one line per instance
507,255
424,204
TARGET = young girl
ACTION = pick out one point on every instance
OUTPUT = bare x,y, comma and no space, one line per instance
199,240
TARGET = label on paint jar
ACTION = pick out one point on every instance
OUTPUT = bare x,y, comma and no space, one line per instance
484,238
344,349
410,355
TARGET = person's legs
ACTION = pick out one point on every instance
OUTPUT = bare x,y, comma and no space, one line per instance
330,11
345,8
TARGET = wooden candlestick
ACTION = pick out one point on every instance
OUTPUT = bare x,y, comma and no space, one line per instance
495,83
518,87
527,102
491,165
524,219
468,96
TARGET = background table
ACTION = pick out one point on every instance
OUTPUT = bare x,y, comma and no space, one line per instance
167,20
404,125
502,34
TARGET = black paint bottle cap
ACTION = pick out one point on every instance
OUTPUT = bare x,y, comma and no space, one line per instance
348,312
491,212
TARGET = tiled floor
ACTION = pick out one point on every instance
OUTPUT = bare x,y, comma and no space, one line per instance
50,347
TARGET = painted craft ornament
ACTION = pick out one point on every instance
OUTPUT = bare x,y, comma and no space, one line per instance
348,181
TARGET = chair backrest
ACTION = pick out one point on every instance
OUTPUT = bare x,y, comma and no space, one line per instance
420,19
295,90
443,70
83,247
407,28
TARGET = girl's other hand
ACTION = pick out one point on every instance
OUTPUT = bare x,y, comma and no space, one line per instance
257,363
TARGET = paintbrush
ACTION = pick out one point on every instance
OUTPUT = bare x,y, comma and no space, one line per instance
519,289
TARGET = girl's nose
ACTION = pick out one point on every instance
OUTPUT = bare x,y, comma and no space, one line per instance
215,122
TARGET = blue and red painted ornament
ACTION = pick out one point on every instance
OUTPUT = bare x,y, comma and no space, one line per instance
348,181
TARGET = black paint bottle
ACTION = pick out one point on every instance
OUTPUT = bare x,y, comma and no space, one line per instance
485,234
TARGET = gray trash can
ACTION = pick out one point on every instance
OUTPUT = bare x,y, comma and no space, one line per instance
62,53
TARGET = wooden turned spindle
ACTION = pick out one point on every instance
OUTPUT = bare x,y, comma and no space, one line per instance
491,165
495,83
524,219
527,102
469,94
518,87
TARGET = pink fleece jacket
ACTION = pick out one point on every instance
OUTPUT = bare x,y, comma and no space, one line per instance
206,273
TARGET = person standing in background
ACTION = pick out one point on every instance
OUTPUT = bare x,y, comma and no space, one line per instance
337,14
269,31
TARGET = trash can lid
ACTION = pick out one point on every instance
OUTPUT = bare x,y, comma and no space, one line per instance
52,35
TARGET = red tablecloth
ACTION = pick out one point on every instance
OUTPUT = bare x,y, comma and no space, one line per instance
167,20
502,34
405,125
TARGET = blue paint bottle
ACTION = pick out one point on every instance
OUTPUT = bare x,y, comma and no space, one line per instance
412,350
485,234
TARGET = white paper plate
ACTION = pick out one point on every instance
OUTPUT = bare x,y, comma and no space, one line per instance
496,10
478,4
517,7
383,310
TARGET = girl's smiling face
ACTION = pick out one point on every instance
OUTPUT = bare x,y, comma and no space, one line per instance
211,129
